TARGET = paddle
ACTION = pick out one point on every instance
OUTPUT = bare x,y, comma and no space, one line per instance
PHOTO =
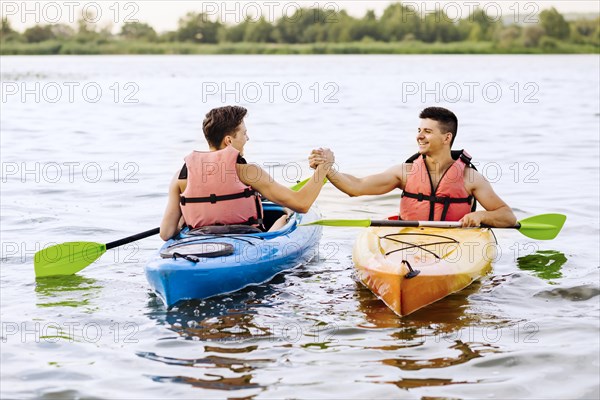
71,257
540,227
301,184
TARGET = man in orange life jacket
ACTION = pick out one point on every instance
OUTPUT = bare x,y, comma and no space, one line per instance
438,184
218,187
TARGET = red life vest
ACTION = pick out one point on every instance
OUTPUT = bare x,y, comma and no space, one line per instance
214,194
449,202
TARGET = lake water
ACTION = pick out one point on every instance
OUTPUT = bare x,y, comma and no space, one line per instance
89,145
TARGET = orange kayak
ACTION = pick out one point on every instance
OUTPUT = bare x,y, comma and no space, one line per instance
410,268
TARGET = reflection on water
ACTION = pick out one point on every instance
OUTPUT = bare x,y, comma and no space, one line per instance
445,316
545,264
447,321
411,383
222,318
234,364
66,291
468,352
228,320
577,293
220,383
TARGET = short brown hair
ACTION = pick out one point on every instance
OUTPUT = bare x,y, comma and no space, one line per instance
446,118
220,122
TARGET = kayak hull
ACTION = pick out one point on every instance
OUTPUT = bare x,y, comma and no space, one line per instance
256,259
447,261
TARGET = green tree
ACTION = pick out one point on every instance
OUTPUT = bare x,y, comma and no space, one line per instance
438,27
547,43
532,35
475,34
586,31
168,36
236,33
63,31
339,32
507,37
260,31
367,27
477,27
5,28
38,33
289,29
554,24
86,30
587,27
138,31
7,33
305,26
196,27
399,21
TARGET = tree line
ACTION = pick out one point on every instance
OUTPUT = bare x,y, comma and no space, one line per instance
396,24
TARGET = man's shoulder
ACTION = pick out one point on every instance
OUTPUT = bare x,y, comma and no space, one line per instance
249,167
473,178
252,174
406,168
401,172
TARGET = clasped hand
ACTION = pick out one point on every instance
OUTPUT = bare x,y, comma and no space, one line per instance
321,156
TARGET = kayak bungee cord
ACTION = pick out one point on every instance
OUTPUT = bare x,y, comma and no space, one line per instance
420,246
199,238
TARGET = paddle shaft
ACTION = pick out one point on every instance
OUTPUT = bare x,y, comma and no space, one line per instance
132,238
428,224
416,224
539,227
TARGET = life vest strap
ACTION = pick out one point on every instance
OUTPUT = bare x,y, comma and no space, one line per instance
213,198
435,199
446,201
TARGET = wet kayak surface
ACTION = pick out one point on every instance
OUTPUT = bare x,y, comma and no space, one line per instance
89,145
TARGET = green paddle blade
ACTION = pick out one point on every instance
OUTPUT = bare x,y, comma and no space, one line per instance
66,258
301,184
356,223
542,227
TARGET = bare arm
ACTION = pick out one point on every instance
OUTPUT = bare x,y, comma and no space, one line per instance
299,201
170,222
380,183
497,213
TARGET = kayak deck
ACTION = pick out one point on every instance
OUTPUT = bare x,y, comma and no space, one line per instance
254,258
447,260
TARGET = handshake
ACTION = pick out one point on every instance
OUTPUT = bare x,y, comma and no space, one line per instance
321,156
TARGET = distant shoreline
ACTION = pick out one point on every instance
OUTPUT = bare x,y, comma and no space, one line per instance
364,47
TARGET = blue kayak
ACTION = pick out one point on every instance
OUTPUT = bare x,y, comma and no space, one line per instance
202,263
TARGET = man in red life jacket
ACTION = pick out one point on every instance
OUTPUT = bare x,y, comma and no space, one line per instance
218,187
438,184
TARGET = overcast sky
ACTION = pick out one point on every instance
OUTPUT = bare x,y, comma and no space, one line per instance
164,15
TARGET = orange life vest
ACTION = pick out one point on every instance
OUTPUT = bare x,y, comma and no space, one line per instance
215,195
449,202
